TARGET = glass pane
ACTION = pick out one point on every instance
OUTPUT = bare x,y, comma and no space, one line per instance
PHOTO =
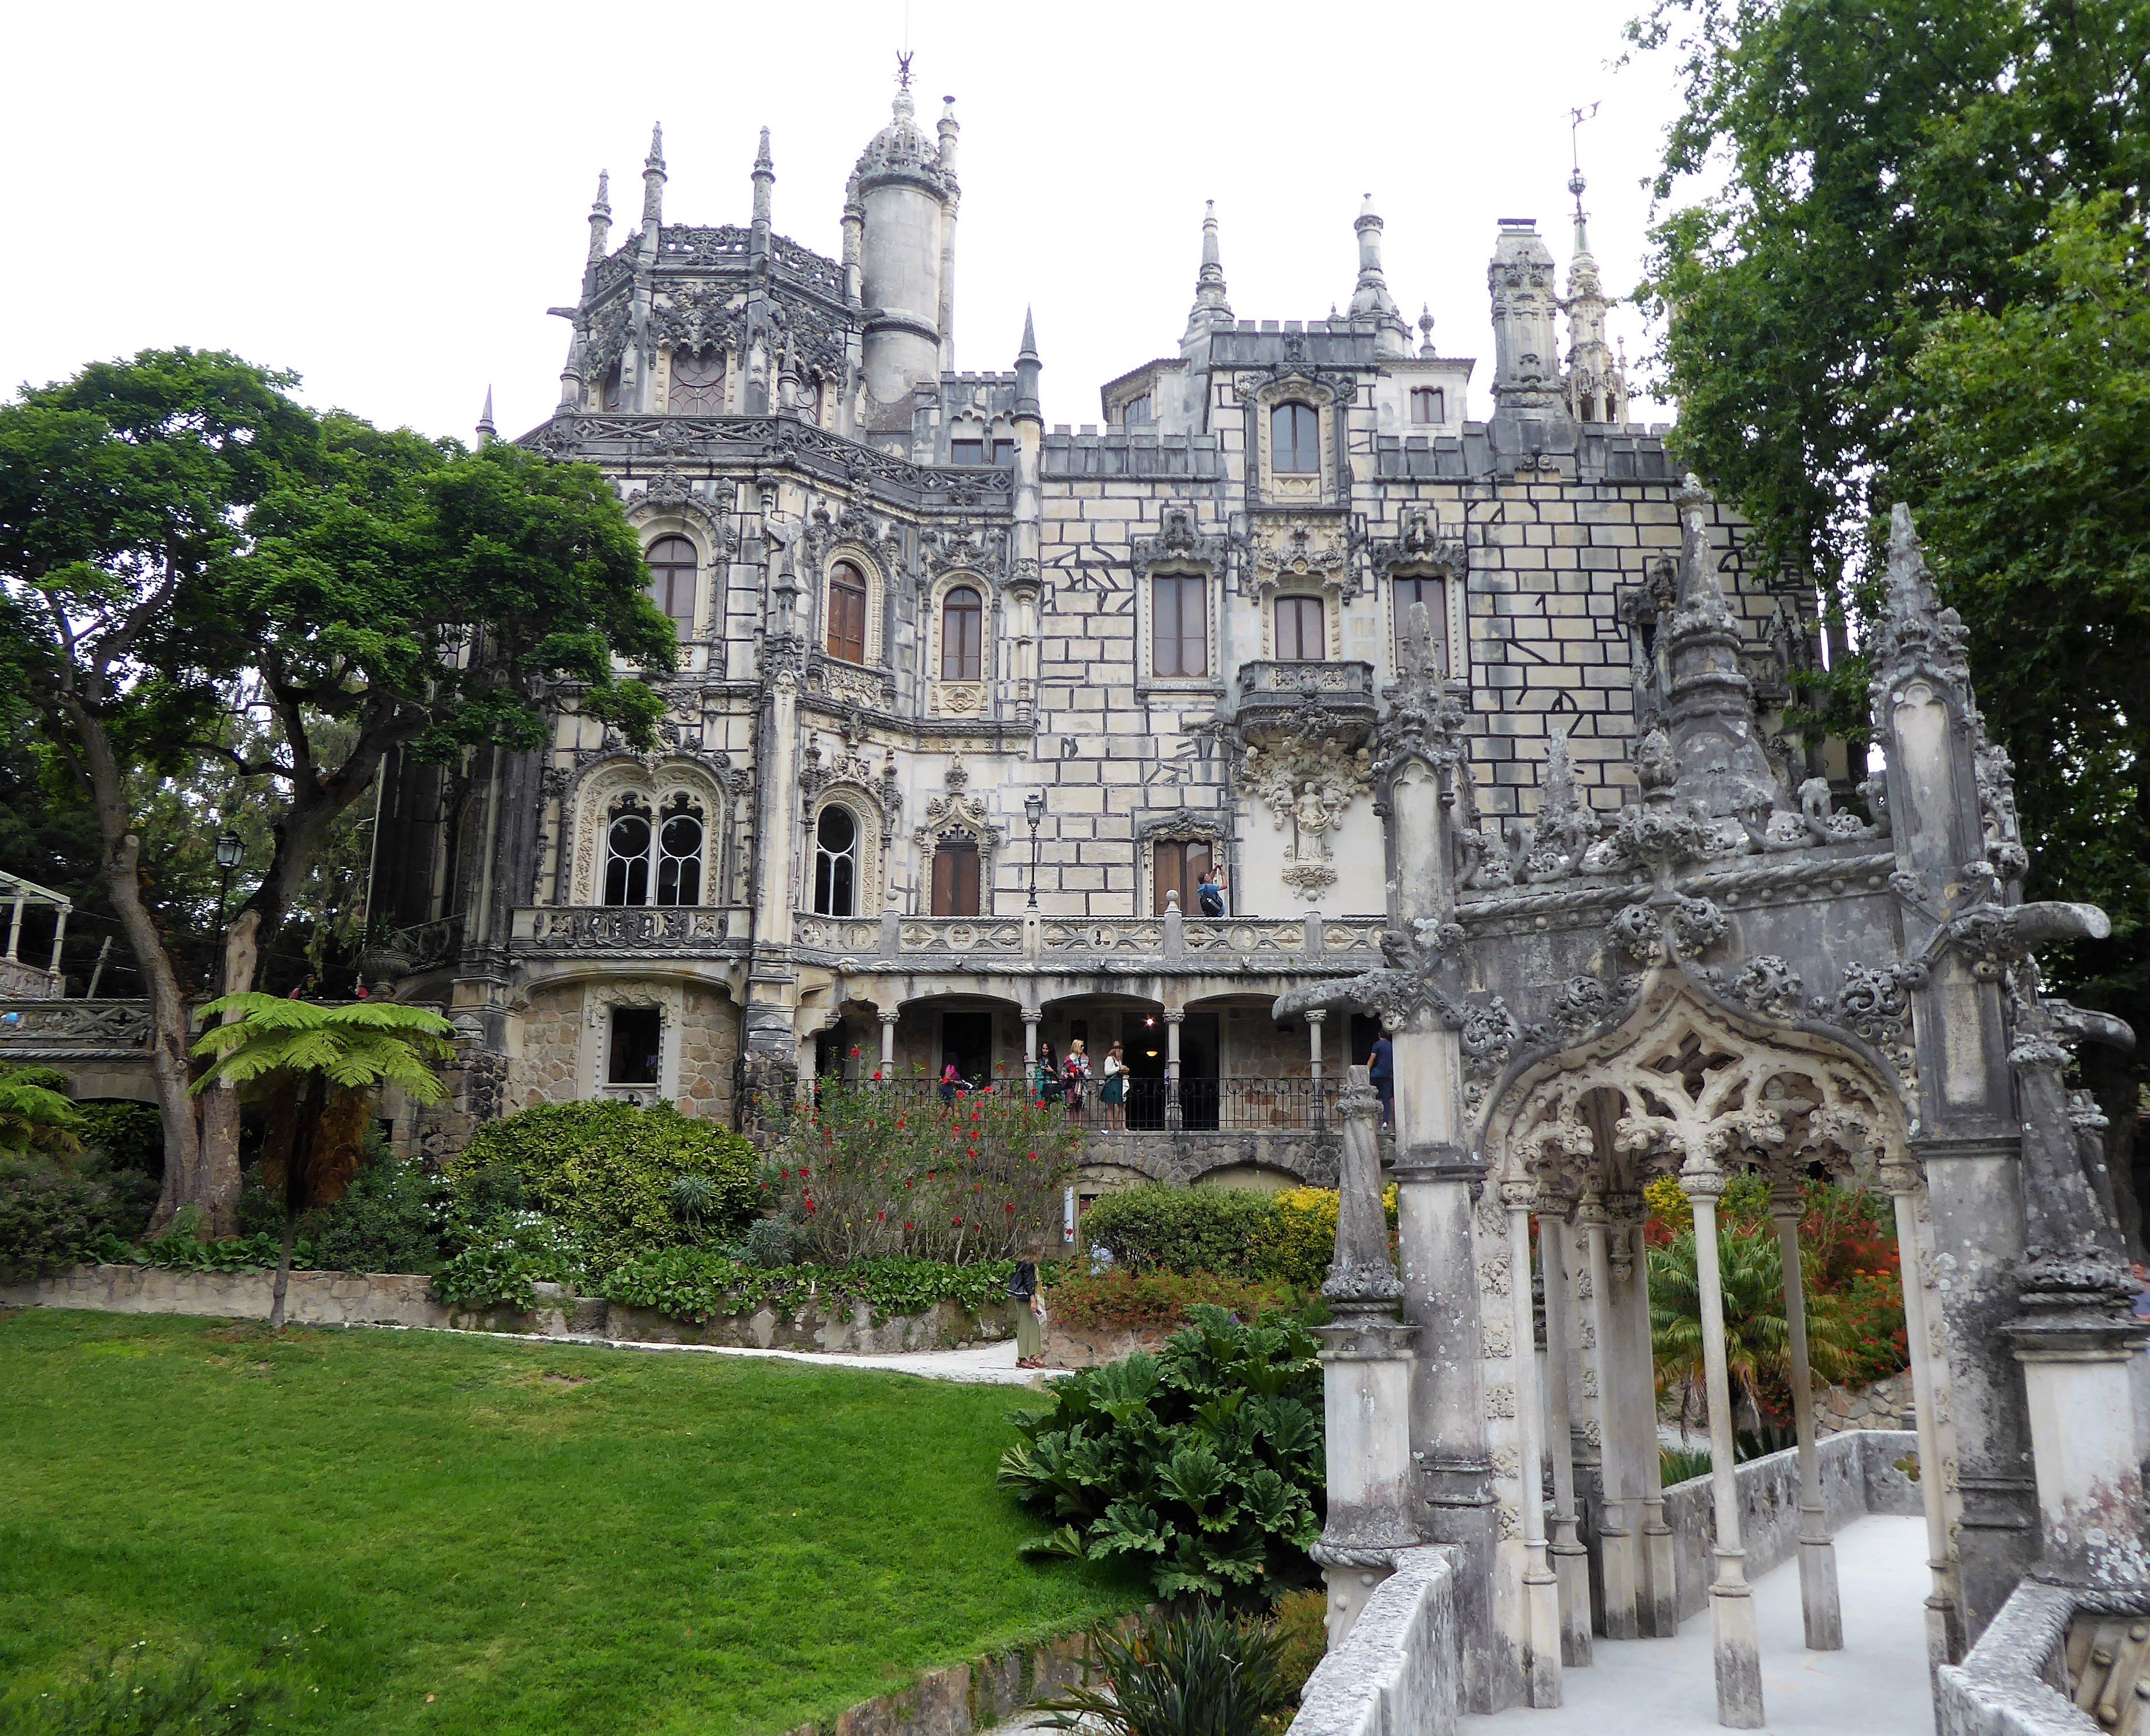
637,1046
1294,440
837,829
966,452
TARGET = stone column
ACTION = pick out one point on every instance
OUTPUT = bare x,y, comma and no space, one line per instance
1315,1016
1365,1380
1175,1017
1031,1017
1542,1629
1571,1560
1657,1608
1733,1637
59,934
15,929
1899,1175
889,1016
1818,1599
1620,1542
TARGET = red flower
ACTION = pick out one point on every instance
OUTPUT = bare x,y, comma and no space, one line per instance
881,1217
906,1224
1033,1157
783,1175
876,1076
959,1223
901,1123
804,1173
854,1052
1009,1209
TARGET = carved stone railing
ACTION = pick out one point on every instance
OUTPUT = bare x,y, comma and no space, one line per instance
1247,938
960,937
849,935
1105,936
616,930
115,1027
21,981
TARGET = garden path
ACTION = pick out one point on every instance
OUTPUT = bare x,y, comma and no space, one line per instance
1876,1686
991,1365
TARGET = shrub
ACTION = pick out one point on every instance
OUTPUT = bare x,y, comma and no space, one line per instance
48,1211
1117,1300
704,1283
1194,1671
871,1174
385,1221
771,1242
513,1255
1301,1626
129,1136
605,1171
1202,1464
1156,1227
129,1696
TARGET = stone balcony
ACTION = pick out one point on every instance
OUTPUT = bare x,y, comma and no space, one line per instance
1026,941
1316,699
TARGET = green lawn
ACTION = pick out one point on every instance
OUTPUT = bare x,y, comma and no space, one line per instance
495,1536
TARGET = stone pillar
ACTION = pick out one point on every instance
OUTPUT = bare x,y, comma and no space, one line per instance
1365,1380
15,929
1658,1605
1031,1017
59,935
1899,1175
1734,1639
1818,1599
1619,1538
1175,1017
1315,1016
1571,1560
889,1016
1541,1628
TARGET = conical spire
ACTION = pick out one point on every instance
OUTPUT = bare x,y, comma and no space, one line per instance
487,433
1370,299
1212,308
1026,369
1596,382
765,178
653,181
1710,709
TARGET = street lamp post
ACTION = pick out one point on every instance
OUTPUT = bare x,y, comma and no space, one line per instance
230,852
1033,810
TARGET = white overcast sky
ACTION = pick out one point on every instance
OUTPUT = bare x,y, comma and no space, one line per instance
386,199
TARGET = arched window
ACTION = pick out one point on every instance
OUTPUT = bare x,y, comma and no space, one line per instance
1180,865
680,853
672,588
1294,440
955,877
1433,592
836,863
1428,404
626,852
698,383
847,612
1301,630
962,635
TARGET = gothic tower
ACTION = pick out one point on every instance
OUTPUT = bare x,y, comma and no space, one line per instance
904,194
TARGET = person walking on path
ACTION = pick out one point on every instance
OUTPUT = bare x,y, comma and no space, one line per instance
1114,1096
1077,1072
1029,1307
1381,1075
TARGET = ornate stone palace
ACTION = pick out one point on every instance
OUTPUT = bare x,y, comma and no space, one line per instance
966,703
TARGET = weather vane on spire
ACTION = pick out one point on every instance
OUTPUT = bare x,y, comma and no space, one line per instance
1575,116
903,68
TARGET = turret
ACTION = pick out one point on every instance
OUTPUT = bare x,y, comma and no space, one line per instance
1212,309
1027,367
906,195
600,229
765,178
487,433
1526,352
1595,385
1371,303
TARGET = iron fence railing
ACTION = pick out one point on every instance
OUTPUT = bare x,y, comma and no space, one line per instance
1244,1105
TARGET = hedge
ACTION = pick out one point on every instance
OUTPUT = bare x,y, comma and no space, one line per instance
1289,1237
604,1172
700,1283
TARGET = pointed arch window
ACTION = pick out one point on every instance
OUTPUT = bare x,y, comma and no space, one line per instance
1294,439
847,612
698,383
836,862
673,568
962,635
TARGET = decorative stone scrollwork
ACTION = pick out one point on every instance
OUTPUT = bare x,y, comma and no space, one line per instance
1308,785
1180,541
1300,555
1648,933
1488,1038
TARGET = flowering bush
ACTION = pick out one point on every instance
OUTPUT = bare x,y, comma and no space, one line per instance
870,1173
516,1252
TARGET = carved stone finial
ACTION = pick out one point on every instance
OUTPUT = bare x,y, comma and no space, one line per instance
1362,1278
1916,631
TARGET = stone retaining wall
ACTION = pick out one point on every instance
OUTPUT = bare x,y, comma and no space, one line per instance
1859,1476
1881,1405
389,1299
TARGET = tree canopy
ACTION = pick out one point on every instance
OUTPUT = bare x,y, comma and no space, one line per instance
1900,258
198,571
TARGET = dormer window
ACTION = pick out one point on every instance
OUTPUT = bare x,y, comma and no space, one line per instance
1135,412
966,452
1429,404
1294,440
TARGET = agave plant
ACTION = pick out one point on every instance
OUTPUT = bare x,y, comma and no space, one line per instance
1197,1671
308,1047
693,1199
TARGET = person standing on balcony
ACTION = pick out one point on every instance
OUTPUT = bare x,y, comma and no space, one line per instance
1029,1307
950,1081
1045,1085
1381,1075
1209,893
1076,1072
1114,1096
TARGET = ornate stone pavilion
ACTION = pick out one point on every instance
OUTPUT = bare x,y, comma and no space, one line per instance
1721,976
